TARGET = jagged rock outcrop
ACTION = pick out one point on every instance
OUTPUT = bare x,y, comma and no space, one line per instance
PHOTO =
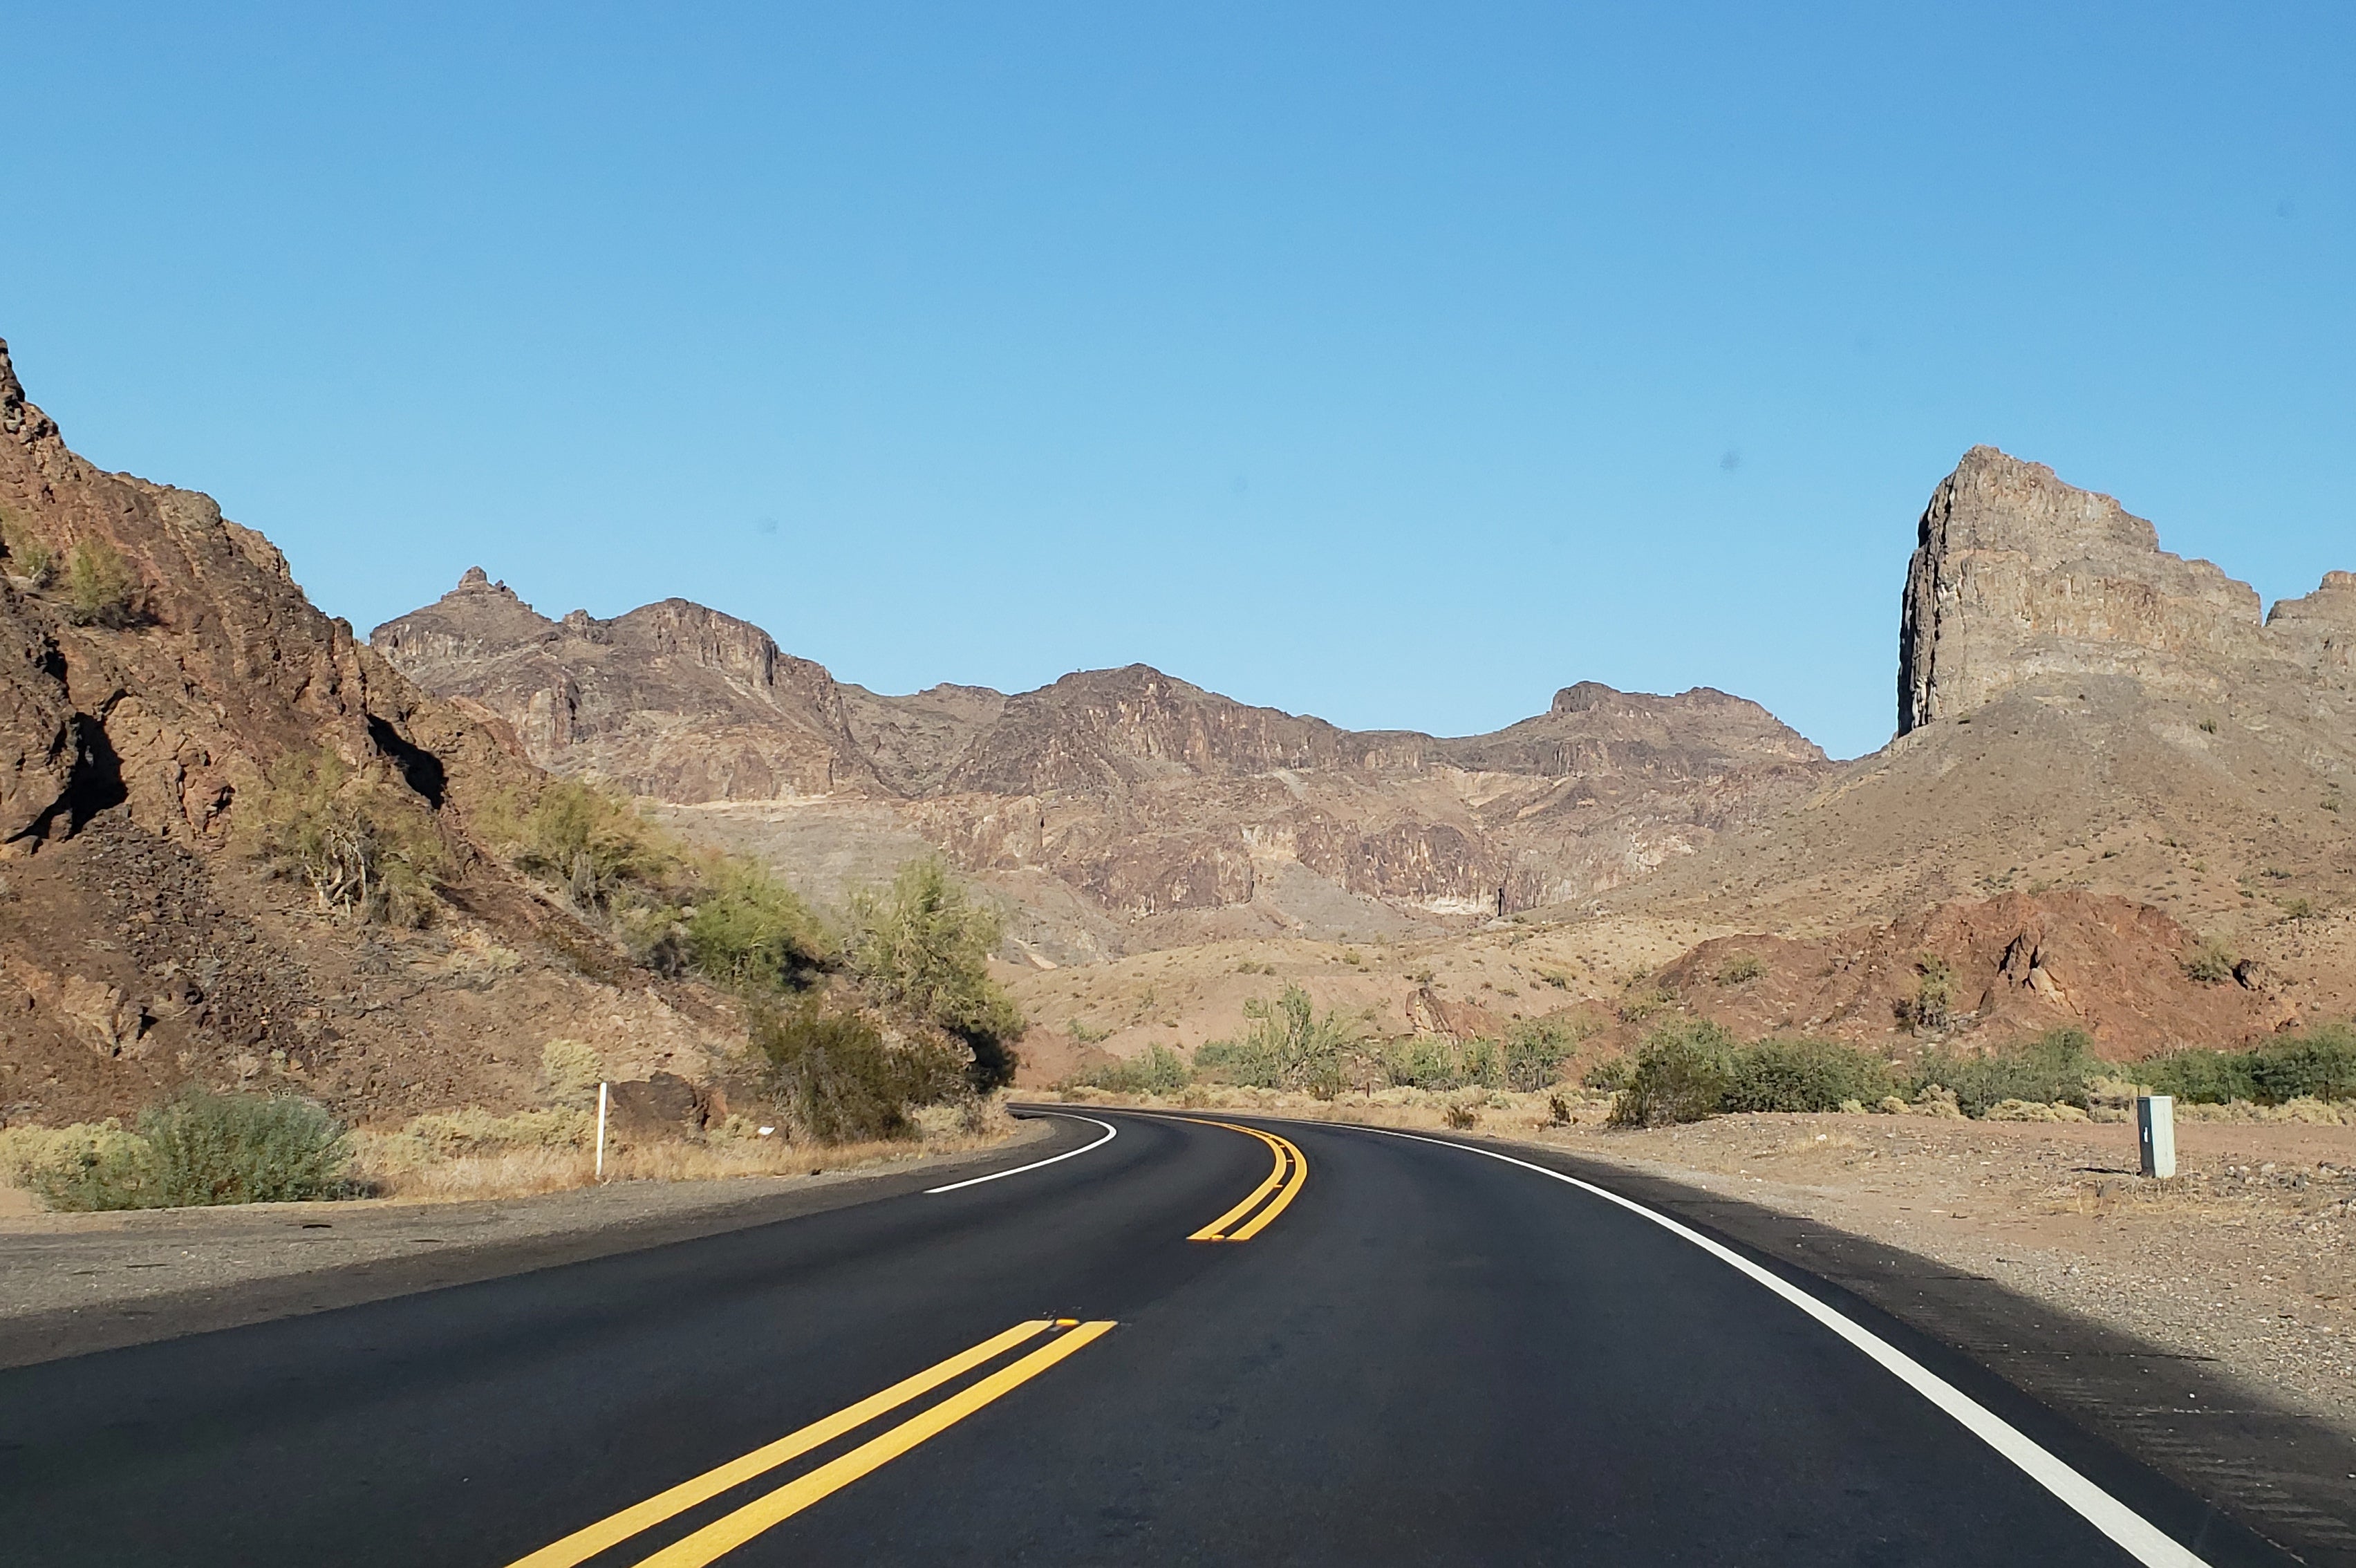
158,666
2017,576
673,700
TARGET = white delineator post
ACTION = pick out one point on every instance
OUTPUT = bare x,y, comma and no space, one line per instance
2156,1133
601,1136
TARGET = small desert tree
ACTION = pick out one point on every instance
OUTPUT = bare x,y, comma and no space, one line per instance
922,947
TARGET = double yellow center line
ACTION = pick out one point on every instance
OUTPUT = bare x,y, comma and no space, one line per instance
1285,1181
733,1529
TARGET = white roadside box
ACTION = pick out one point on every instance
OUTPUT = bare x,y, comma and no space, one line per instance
2156,1133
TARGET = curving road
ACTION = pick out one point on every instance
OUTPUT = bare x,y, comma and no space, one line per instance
1380,1349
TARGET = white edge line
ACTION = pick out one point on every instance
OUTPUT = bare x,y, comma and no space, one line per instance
2137,1536
1110,1133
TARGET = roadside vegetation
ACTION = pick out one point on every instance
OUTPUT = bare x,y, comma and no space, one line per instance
850,1030
194,1149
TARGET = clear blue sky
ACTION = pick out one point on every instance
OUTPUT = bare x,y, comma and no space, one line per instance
1395,364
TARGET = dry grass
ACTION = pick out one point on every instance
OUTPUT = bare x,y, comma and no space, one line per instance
454,1157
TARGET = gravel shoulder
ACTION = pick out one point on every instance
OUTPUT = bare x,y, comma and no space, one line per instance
71,1284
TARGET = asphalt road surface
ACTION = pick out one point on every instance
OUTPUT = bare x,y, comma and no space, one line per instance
1403,1350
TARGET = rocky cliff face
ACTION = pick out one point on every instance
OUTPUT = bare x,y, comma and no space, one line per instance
1156,810
2017,576
2080,709
157,663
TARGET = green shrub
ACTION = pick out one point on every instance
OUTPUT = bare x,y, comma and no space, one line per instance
1934,994
1159,1070
2319,1064
598,847
922,946
841,1079
569,1072
454,1135
1741,971
361,848
2210,963
1609,1075
1534,1053
1802,1075
100,590
2055,1068
1681,1074
201,1148
1288,1046
751,932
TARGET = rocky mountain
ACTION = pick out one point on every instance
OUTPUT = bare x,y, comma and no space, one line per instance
2078,709
1116,808
159,669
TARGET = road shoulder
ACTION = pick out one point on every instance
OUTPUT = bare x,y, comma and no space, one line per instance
160,1274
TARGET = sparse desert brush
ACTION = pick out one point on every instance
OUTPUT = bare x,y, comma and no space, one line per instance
363,849
2057,1067
1804,1075
100,588
841,1079
1159,1070
198,1148
1934,996
1681,1074
1741,971
570,1071
2211,962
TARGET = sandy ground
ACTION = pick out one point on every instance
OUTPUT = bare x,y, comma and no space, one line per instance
2248,1257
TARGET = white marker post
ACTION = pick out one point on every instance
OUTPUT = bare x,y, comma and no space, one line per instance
2156,1133
601,1134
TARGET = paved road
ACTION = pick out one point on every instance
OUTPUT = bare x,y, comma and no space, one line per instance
1430,1355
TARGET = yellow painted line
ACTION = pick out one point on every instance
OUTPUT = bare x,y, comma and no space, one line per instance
725,1534
1290,1173
584,1544
1259,1222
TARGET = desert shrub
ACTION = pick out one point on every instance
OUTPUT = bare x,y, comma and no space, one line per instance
2210,963
749,931
1534,1052
1802,1075
201,1148
1609,1075
1933,997
2319,1064
1287,1046
1741,971
840,1079
350,837
2055,1068
1681,1074
1159,1070
456,1134
923,947
28,558
597,846
1463,1118
100,589
1438,1063
569,1072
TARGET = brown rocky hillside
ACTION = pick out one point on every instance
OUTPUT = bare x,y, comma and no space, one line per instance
160,663
1115,810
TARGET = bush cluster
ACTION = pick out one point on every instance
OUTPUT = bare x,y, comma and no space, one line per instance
203,1148
844,1081
921,946
1287,1046
1159,1070
1691,1069
365,847
1527,1060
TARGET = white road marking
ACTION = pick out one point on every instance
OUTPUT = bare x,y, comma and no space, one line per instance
2137,1536
1110,1133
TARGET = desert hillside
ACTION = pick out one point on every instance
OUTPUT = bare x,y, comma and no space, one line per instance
1115,810
2109,764
166,687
